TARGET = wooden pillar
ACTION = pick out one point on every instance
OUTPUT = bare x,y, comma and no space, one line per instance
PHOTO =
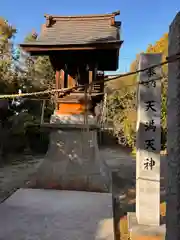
95,73
62,78
69,105
71,77
66,76
71,81
57,79
83,75
57,87
90,80
90,76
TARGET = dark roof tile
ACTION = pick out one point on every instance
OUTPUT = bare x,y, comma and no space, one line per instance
79,30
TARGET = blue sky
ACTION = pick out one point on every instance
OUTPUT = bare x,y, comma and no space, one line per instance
143,21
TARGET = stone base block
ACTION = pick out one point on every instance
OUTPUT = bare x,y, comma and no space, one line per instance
72,183
144,232
73,162
71,118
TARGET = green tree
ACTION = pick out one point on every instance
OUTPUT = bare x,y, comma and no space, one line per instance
122,101
36,78
39,68
6,74
7,31
31,37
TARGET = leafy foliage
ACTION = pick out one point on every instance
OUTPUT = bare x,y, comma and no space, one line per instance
38,75
122,100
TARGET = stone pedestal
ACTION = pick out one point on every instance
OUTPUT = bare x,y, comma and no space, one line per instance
73,161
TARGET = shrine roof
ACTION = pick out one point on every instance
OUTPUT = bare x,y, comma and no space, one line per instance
78,30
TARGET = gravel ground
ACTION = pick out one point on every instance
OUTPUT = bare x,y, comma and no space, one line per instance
17,174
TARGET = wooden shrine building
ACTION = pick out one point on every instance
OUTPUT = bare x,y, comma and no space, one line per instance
80,49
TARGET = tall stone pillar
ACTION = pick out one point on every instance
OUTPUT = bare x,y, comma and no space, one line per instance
148,142
173,135
145,223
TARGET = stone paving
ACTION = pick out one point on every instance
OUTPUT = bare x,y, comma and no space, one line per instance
80,215
17,175
51,214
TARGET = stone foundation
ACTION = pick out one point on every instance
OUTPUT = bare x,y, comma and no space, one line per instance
144,232
73,162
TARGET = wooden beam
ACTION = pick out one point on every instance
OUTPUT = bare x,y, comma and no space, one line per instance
49,21
37,48
112,21
92,16
116,13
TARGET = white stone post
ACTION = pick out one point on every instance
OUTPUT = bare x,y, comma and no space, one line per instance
148,142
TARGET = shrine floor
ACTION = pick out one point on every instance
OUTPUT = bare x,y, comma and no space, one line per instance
34,214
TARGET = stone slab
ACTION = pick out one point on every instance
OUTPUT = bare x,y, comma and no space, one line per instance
34,214
144,232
